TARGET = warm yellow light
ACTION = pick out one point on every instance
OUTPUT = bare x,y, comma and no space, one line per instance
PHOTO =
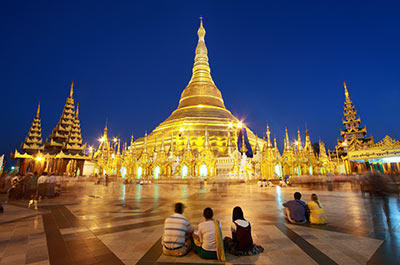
113,155
101,139
115,139
296,143
230,125
90,149
200,106
344,144
240,124
39,158
180,129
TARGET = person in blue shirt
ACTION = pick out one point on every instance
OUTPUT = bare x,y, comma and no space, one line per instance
295,210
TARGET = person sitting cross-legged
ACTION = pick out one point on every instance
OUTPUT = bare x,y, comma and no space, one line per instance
208,239
295,210
241,243
316,212
176,239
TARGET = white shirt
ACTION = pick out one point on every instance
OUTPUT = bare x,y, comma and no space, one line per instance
42,179
52,179
207,235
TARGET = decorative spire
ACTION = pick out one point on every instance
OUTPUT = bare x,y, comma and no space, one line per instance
77,111
71,92
346,92
269,144
131,140
287,143
38,111
308,145
299,144
243,150
33,141
145,142
201,68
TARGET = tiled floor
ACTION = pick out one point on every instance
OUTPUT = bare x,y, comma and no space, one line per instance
122,224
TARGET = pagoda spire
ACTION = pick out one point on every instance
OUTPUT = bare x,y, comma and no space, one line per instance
188,144
287,142
308,145
269,144
33,141
58,139
74,142
353,130
145,142
299,143
71,92
38,111
201,68
243,150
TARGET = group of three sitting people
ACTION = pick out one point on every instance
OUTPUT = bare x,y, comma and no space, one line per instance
179,236
297,211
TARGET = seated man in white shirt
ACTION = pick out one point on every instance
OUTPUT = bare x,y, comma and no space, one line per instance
176,239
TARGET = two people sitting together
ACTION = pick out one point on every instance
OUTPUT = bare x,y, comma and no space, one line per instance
297,211
179,236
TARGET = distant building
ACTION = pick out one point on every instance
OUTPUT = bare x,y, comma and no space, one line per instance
63,152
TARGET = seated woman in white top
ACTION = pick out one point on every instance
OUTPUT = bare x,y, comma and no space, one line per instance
208,242
315,211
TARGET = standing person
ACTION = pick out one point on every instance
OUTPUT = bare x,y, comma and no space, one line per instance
51,182
295,210
177,233
241,243
42,185
32,184
208,242
316,211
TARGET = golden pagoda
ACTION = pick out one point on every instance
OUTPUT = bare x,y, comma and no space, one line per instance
63,151
354,136
201,139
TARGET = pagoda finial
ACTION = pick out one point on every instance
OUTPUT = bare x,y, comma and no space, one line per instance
38,110
269,144
71,92
244,147
201,68
287,143
346,92
77,111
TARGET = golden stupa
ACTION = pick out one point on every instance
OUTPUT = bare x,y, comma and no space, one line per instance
201,106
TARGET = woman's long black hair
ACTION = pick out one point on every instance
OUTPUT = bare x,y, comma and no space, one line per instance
237,214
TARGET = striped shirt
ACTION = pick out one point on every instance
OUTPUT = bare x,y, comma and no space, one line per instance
175,229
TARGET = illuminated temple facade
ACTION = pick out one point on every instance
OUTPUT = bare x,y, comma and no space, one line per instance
63,151
202,139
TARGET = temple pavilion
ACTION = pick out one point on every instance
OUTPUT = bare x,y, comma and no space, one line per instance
202,139
63,151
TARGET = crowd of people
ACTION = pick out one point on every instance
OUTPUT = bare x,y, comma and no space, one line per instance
31,186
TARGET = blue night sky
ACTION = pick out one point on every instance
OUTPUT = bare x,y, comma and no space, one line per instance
278,61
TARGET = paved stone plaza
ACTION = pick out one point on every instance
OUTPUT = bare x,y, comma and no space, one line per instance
123,224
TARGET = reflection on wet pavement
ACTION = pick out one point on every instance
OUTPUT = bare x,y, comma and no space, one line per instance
122,224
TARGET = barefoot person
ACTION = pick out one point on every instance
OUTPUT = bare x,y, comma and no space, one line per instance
241,243
295,210
208,240
176,239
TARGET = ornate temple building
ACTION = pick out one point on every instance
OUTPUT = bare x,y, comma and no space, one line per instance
357,152
202,139
63,152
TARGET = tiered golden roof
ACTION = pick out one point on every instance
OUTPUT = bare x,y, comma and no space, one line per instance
66,136
33,142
